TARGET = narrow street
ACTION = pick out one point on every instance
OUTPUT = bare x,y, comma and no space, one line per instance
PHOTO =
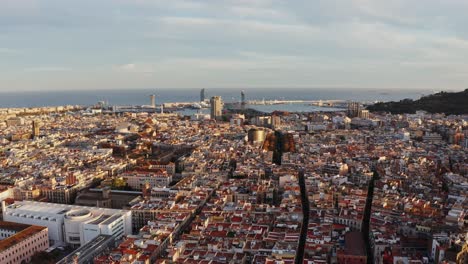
305,220
366,218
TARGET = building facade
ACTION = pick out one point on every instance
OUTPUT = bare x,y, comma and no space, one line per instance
216,107
137,180
70,224
35,129
354,108
364,114
60,194
18,242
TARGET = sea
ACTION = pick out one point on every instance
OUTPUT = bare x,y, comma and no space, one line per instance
141,97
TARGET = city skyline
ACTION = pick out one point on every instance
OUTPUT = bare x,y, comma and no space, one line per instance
234,131
52,45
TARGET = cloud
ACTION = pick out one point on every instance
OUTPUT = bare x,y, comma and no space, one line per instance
134,68
252,12
128,67
239,27
48,69
184,4
243,61
352,39
8,51
18,6
264,42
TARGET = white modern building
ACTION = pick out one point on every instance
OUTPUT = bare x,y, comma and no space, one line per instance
70,224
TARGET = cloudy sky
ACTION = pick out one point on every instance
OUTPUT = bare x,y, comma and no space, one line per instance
117,44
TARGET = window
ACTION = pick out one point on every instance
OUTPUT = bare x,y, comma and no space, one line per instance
74,239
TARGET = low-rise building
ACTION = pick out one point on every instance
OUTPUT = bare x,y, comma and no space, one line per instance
354,250
137,179
18,242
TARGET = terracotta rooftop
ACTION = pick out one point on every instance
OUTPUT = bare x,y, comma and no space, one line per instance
12,226
24,231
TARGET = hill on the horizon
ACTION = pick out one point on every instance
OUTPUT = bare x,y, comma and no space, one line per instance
449,103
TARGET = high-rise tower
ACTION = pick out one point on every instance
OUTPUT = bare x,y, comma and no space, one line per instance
216,107
242,100
153,100
202,95
353,109
35,129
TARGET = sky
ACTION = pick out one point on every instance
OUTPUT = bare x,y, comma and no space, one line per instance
123,44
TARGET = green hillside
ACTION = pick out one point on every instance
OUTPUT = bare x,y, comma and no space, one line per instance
443,102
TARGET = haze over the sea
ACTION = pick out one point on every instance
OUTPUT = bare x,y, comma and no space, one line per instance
141,96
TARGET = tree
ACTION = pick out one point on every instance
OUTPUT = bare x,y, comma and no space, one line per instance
96,182
375,175
119,184
43,257
445,187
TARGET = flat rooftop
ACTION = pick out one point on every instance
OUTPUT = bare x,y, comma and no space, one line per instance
111,219
99,220
42,208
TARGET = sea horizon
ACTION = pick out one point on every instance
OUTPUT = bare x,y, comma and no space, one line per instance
140,96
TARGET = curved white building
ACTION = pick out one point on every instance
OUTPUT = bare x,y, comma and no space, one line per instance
73,225
70,224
